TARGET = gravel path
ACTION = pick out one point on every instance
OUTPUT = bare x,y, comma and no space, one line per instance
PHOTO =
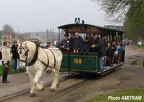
131,50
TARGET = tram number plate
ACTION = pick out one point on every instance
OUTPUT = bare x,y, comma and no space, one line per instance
77,61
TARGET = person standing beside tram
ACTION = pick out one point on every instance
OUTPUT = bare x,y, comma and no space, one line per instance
6,58
98,45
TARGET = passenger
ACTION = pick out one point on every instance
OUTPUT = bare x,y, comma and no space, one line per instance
106,43
128,43
116,52
86,46
109,54
97,44
94,41
124,44
114,48
72,39
48,44
65,44
57,44
77,43
6,59
120,50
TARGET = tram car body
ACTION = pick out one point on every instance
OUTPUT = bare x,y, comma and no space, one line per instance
75,62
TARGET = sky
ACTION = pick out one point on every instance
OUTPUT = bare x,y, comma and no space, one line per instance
39,15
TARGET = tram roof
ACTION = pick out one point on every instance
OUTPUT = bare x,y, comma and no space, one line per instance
83,24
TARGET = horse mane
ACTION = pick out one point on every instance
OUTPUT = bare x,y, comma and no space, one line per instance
35,55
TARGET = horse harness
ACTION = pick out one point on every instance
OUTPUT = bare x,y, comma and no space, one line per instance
26,53
47,65
35,57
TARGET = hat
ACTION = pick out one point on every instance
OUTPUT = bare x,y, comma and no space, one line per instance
66,35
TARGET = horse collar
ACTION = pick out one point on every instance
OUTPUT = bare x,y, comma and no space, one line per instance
35,56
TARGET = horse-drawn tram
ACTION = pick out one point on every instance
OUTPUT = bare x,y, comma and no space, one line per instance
92,61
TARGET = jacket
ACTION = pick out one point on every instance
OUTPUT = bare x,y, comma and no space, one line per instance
109,52
86,47
77,43
99,46
6,56
14,52
114,49
66,43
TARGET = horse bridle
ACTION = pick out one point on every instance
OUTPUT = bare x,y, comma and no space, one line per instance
26,53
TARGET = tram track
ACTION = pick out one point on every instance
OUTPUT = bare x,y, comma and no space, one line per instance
7,97
65,91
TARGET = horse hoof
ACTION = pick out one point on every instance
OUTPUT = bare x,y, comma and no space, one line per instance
52,90
42,89
48,71
32,95
58,85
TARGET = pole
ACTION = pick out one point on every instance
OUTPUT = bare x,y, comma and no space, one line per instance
18,35
59,35
10,35
7,34
46,36
52,35
3,37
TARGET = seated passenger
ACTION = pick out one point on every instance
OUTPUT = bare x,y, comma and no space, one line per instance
86,46
65,44
77,43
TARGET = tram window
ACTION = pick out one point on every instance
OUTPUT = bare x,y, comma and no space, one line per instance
71,35
107,36
114,38
119,38
83,35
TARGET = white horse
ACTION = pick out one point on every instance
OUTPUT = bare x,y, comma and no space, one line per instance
36,60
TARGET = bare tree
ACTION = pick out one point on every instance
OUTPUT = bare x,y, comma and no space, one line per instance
8,30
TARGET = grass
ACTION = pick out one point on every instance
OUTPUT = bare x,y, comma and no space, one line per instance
142,48
10,70
137,62
120,96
